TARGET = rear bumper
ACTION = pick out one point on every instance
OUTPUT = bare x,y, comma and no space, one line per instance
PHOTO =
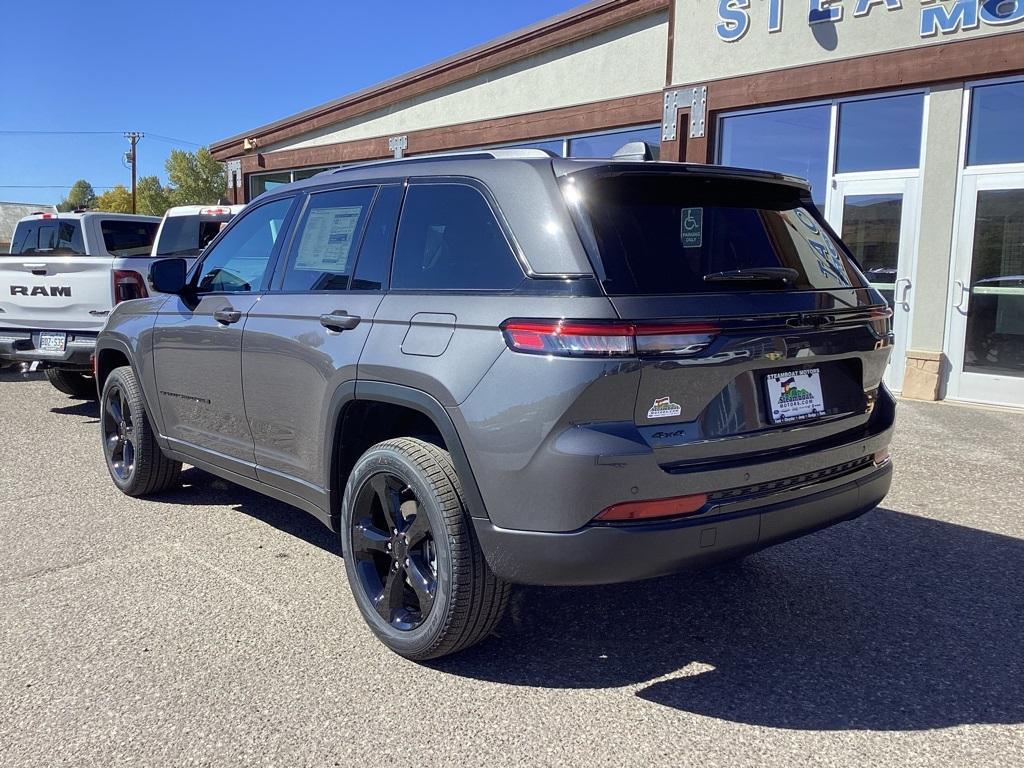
609,554
22,346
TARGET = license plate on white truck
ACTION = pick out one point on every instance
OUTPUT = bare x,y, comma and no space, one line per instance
52,342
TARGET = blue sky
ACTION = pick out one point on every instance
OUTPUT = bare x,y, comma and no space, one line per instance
201,71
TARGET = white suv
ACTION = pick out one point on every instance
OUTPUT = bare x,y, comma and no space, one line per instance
187,229
63,276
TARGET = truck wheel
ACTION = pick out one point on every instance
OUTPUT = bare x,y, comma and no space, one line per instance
412,558
135,462
73,383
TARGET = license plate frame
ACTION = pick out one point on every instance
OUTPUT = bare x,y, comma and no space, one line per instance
794,395
53,341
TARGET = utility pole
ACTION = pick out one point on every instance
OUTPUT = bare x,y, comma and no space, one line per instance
133,137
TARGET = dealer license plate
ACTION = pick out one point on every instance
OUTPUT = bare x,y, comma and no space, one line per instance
795,395
52,342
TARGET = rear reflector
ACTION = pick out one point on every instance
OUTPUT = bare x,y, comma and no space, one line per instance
128,285
881,457
568,338
647,510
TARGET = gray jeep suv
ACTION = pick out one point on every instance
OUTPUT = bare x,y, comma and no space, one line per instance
505,367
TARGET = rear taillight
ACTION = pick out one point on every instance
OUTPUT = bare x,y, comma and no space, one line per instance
214,211
648,510
128,285
569,338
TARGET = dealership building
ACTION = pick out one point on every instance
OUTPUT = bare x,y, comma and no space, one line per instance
906,116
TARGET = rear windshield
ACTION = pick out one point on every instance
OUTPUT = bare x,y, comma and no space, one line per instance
187,235
128,238
41,235
667,234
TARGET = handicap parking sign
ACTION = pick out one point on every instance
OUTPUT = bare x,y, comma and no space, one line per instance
691,227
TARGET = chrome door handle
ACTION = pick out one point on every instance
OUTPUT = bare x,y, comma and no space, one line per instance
902,300
227,316
340,320
964,293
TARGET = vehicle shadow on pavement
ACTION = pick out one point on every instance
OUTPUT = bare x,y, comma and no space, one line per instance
88,408
199,488
891,622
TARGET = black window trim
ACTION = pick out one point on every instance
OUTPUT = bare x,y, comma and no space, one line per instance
281,264
285,235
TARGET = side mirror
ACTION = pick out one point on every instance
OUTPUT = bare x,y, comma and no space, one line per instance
168,275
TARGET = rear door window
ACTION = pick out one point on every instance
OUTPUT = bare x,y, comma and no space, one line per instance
324,247
669,234
125,238
449,239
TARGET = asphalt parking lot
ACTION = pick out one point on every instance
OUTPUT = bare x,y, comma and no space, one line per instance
214,627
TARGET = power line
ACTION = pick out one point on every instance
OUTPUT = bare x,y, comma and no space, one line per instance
157,136
60,133
171,139
51,186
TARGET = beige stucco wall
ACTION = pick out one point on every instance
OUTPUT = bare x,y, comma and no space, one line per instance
938,203
699,55
623,61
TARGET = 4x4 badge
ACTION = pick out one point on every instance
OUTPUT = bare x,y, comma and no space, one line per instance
663,408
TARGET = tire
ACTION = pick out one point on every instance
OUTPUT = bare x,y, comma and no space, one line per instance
74,383
134,460
467,599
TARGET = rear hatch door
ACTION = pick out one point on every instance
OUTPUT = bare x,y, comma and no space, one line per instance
48,282
756,330
53,291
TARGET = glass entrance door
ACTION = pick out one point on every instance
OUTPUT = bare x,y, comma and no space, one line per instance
987,304
876,219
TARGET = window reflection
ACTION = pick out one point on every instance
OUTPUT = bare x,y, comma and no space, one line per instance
871,230
880,134
997,113
995,312
792,141
607,144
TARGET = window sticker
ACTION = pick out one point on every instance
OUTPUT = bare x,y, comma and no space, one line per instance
327,239
691,227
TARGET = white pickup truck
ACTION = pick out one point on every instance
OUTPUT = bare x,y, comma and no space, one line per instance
66,271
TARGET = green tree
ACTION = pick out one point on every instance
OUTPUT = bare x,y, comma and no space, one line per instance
197,178
152,199
81,195
115,200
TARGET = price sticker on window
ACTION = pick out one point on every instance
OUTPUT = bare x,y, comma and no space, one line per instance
691,227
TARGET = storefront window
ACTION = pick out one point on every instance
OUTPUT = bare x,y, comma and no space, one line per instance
997,114
880,134
793,141
263,182
305,173
552,145
607,144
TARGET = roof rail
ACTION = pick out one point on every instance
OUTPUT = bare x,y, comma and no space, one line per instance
509,153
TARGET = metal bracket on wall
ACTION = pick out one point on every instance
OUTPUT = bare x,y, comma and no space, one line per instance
694,99
233,168
398,145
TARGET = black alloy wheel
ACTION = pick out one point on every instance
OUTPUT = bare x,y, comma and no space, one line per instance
118,434
136,463
393,547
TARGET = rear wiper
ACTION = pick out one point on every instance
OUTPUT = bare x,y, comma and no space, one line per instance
772,274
